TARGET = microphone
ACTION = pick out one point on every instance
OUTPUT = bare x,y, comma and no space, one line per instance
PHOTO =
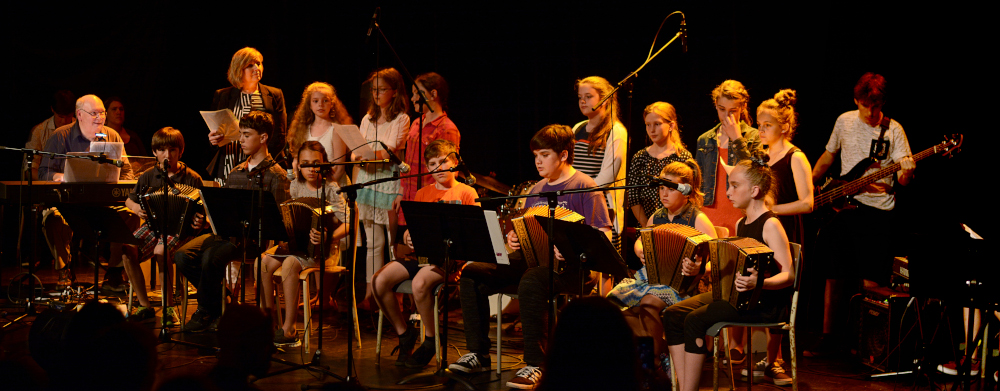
372,24
684,35
464,169
403,167
102,158
684,188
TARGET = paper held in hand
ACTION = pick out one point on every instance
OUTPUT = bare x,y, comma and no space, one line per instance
222,121
355,141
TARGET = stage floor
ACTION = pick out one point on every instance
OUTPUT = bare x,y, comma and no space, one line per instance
842,373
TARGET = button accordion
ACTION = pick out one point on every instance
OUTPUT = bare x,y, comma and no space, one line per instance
181,202
532,235
665,247
300,215
733,256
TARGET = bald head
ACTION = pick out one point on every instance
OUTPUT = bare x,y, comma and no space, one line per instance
90,114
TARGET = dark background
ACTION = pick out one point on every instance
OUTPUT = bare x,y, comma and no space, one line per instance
511,70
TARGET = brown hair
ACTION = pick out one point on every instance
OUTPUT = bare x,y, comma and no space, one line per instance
259,121
758,173
304,116
782,108
433,81
309,146
870,90
400,101
669,113
438,148
599,137
166,138
687,172
242,59
734,90
556,137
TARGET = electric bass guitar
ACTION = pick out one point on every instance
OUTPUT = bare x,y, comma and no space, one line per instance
854,181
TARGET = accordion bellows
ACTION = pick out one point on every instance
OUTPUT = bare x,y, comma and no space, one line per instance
665,246
301,215
532,236
180,203
732,257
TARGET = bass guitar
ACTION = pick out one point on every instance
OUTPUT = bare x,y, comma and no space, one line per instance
854,181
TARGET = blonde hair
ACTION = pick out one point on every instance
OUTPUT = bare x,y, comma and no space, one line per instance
687,172
400,101
242,59
759,174
298,132
599,137
669,113
734,90
782,108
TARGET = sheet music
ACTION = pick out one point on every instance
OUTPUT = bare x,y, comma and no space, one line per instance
496,237
223,121
355,141
208,213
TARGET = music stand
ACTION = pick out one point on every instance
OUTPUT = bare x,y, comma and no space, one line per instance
585,248
97,223
447,231
226,212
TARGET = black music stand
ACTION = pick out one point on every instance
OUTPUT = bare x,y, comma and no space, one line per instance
585,248
226,211
447,231
97,223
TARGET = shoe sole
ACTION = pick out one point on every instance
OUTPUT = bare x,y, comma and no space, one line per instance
288,344
462,369
782,382
522,386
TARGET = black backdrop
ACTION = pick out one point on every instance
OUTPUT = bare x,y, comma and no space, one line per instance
512,68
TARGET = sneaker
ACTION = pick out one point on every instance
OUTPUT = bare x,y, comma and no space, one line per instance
758,369
951,368
737,356
66,278
526,378
405,348
141,314
173,318
280,340
777,375
114,286
200,321
423,355
471,363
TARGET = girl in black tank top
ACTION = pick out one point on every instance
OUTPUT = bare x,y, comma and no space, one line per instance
750,182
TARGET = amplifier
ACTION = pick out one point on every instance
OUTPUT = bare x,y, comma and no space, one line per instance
886,339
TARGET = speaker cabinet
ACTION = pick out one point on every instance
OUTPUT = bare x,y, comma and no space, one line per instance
886,331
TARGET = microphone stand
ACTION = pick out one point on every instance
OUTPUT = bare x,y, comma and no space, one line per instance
552,198
27,158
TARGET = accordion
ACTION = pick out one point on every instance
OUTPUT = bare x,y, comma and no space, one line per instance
300,215
733,256
181,203
532,236
665,247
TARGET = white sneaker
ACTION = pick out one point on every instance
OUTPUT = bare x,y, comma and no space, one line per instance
526,378
471,363
758,368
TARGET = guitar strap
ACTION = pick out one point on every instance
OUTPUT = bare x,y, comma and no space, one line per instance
880,147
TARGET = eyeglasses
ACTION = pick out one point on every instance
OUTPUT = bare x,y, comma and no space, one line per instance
96,114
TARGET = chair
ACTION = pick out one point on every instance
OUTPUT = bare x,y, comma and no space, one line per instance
500,324
406,287
713,331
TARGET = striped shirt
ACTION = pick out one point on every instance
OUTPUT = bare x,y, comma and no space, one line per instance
583,160
232,153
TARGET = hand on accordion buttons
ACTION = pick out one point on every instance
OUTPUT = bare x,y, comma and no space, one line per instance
314,236
690,268
512,241
746,283
138,211
559,256
407,240
197,222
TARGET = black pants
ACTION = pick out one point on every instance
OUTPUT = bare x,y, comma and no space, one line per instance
687,321
203,261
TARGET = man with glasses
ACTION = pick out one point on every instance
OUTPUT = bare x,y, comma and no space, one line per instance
76,137
62,114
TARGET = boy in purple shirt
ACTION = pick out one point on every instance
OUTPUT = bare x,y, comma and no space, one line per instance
553,150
